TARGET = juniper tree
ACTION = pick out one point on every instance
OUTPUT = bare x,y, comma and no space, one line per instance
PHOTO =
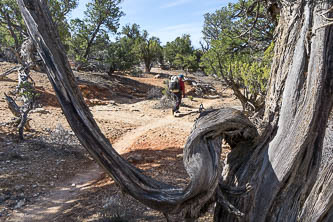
290,179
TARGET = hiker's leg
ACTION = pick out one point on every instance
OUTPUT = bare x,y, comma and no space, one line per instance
178,100
175,98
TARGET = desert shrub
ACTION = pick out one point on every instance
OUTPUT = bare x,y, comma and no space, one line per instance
113,218
136,72
61,136
165,103
154,93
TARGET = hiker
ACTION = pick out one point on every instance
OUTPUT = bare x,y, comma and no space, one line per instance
177,88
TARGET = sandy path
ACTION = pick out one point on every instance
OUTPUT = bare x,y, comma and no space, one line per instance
61,198
47,208
129,138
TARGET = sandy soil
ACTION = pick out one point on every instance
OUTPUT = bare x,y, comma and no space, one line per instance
50,176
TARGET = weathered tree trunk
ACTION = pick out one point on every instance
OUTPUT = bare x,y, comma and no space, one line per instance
91,41
111,70
148,65
27,51
21,113
318,205
24,88
282,166
27,93
201,153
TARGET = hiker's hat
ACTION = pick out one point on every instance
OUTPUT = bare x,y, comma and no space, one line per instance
181,76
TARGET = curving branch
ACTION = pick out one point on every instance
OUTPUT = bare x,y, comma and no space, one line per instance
250,9
201,153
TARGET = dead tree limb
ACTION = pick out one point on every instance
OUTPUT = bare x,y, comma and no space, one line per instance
21,113
14,69
13,107
26,92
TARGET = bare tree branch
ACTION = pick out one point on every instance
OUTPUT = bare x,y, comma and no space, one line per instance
14,69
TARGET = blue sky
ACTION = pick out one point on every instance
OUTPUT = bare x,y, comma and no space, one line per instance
165,19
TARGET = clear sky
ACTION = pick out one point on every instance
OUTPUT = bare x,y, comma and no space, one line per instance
165,19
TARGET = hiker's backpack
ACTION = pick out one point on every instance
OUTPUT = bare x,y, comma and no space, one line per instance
174,85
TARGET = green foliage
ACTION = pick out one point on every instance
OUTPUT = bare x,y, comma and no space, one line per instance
131,31
91,34
13,30
240,49
148,49
103,13
133,47
181,55
27,91
12,26
252,75
59,11
11,19
121,53
175,51
121,56
79,42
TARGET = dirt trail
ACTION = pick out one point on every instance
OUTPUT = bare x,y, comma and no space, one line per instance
48,207
133,126
129,138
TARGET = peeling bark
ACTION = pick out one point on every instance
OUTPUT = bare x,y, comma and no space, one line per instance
27,51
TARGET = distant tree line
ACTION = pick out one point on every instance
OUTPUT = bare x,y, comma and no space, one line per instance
237,46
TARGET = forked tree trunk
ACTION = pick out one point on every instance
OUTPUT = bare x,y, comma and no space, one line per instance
282,165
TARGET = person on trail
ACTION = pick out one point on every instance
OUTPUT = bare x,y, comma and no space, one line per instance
177,89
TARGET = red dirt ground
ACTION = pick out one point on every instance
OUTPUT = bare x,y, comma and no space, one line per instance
50,176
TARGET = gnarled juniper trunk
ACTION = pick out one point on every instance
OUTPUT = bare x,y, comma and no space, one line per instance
282,165
201,153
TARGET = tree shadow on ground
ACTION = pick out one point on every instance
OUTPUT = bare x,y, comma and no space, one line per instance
101,89
117,88
102,199
182,114
161,75
6,79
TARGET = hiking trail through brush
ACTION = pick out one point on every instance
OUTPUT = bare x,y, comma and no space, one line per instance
49,206
55,181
